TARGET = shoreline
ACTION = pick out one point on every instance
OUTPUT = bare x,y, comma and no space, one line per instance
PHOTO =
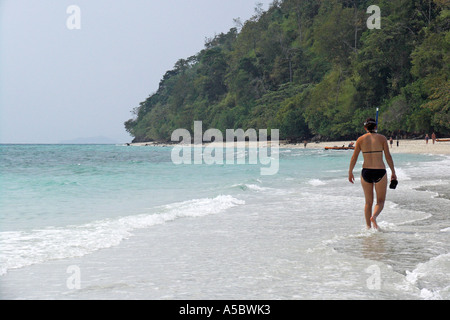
405,146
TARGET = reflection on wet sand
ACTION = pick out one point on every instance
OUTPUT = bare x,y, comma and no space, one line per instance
394,248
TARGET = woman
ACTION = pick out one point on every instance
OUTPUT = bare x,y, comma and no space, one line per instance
373,174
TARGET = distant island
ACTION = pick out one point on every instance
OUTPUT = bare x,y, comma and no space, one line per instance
313,70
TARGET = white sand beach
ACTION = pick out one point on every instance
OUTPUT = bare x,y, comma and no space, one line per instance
404,146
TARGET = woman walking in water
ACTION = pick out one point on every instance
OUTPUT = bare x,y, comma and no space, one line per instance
373,174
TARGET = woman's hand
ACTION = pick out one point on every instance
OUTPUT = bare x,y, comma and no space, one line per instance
393,176
351,178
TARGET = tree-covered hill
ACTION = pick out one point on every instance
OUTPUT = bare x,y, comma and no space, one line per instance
312,68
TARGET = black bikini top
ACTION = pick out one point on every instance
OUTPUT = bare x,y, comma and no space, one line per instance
373,151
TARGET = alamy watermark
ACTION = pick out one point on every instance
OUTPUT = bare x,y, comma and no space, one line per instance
187,152
73,282
73,21
374,281
374,21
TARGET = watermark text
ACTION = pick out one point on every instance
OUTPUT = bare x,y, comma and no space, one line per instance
220,152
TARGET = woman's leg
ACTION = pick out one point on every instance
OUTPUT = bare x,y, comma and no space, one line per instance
380,188
368,194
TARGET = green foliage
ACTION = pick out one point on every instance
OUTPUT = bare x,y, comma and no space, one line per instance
312,68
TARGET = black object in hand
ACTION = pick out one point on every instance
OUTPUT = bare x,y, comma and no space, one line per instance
393,184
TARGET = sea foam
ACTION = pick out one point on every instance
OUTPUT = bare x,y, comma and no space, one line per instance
21,248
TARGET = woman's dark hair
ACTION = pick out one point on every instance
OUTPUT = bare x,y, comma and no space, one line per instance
370,124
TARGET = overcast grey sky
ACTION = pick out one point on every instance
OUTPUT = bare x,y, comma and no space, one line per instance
60,84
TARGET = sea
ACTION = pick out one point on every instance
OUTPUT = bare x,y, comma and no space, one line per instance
126,222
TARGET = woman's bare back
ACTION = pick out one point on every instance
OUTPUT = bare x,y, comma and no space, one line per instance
372,145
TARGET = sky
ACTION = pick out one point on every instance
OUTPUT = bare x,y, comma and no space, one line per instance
66,76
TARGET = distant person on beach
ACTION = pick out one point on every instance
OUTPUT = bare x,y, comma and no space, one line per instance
427,138
374,173
433,137
391,141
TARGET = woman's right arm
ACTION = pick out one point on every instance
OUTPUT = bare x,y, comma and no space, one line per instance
351,178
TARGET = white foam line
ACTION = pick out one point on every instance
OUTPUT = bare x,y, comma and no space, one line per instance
434,267
19,249
428,216
316,182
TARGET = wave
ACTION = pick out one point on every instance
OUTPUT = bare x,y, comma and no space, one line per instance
251,186
316,182
402,174
20,248
432,278
437,167
256,189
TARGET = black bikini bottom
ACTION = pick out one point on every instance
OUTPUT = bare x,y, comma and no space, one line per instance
373,175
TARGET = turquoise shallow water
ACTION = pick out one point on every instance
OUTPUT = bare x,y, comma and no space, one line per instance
94,203
57,185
